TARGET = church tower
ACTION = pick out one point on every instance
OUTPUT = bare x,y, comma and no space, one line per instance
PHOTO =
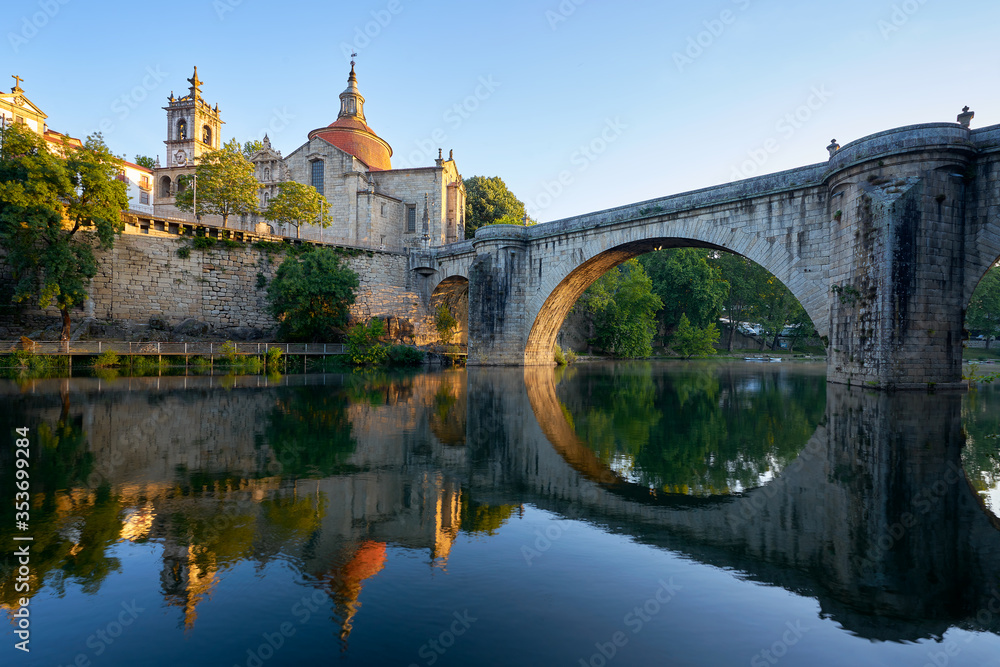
193,128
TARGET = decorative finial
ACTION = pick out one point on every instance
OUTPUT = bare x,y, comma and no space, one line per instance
451,155
833,147
353,56
439,154
195,84
965,118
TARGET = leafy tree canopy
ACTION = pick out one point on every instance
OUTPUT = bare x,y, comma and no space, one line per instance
311,297
250,148
687,284
983,315
489,201
225,184
623,308
689,340
296,203
145,161
45,200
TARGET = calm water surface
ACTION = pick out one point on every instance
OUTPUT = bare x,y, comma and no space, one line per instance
611,514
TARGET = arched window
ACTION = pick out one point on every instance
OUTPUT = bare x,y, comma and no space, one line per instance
164,186
206,135
182,129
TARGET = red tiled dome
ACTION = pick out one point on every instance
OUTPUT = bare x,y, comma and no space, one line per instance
351,134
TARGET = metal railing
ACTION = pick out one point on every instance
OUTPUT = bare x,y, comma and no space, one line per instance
172,349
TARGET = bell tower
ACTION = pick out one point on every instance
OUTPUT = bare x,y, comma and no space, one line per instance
193,126
193,129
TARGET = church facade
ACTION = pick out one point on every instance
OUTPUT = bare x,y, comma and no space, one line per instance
371,204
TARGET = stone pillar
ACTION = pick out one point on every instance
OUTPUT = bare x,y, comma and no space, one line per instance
498,329
897,258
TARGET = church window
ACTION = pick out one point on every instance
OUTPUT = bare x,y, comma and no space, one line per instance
182,128
383,209
206,135
411,219
317,176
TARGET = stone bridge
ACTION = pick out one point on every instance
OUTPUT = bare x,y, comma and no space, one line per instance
883,245
876,518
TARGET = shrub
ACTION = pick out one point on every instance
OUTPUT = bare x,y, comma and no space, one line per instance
557,354
570,357
184,252
404,355
228,350
107,359
311,298
363,345
273,357
202,243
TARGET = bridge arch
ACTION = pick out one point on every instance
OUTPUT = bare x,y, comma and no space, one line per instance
568,278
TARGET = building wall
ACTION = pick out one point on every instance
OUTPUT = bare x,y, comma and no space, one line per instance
142,277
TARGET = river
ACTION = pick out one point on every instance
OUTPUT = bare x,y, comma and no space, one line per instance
647,513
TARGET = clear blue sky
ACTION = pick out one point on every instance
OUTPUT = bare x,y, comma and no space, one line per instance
622,102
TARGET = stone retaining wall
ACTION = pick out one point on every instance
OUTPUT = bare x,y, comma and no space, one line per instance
143,277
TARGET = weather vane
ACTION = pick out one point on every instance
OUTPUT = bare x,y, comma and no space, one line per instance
353,56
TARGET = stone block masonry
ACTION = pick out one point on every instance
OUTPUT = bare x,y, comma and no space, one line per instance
142,277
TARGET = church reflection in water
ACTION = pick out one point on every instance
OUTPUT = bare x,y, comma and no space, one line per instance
860,500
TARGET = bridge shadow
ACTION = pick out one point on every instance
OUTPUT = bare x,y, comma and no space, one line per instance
875,518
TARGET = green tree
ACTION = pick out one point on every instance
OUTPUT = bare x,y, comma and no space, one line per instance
296,203
689,340
46,201
445,323
252,147
145,161
311,298
983,314
686,283
745,278
774,308
224,184
623,309
489,201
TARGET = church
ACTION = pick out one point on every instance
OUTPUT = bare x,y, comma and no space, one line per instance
371,204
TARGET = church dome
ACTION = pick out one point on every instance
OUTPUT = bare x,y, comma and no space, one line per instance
351,134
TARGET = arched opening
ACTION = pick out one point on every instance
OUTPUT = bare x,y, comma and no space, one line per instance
206,135
552,312
182,129
452,293
164,190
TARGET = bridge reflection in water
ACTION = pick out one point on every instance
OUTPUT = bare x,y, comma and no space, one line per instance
860,500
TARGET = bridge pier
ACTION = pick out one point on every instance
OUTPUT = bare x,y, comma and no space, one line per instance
897,262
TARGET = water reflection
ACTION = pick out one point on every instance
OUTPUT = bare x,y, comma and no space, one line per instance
858,500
